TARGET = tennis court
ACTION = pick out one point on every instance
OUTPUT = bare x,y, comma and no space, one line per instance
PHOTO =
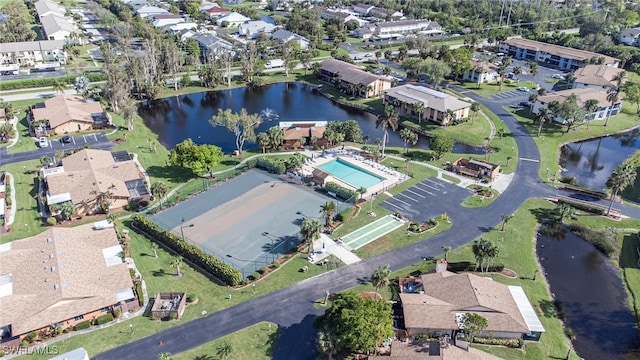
371,232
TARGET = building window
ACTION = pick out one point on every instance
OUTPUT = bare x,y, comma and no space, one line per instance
78,318
104,310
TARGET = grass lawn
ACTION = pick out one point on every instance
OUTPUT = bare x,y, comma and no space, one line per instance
27,221
477,201
254,342
471,132
554,135
487,90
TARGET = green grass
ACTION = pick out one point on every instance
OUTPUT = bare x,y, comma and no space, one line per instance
486,90
470,132
254,342
476,201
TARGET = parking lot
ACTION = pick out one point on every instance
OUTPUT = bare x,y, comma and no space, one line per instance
427,199
77,141
511,95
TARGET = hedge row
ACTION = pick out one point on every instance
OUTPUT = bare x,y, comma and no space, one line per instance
341,192
469,266
82,325
512,343
584,207
104,319
46,82
273,166
601,239
209,263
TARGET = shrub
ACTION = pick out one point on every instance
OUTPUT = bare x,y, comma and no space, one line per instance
140,294
226,273
2,353
512,343
46,82
568,180
104,319
584,207
51,221
31,337
82,325
602,240
273,166
117,313
341,192
345,214
8,201
24,342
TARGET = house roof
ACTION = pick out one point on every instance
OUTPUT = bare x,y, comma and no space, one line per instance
633,32
53,23
485,65
44,45
285,35
64,108
420,350
58,275
210,41
566,52
300,131
216,10
349,72
583,96
44,6
89,171
602,75
448,294
233,17
257,26
426,23
431,98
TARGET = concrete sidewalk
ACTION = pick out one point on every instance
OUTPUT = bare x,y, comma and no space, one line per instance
325,246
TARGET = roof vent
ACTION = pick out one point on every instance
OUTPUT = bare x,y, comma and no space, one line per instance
51,256
48,240
53,269
56,287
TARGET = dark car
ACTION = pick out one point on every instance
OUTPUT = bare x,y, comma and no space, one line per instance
66,139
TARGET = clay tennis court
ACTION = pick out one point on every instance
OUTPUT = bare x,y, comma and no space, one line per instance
229,220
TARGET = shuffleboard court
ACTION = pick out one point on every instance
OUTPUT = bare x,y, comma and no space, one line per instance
372,231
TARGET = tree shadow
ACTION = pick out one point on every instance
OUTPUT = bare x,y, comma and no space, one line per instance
158,273
484,229
628,251
296,339
230,162
543,215
171,173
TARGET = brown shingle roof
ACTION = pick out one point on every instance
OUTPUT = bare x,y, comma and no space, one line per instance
565,52
92,170
349,72
63,108
597,74
56,280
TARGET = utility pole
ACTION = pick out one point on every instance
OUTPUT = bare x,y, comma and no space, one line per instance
501,13
509,14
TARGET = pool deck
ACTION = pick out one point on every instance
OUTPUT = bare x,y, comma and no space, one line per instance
391,177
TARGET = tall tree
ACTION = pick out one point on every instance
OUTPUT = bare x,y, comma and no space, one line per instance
436,70
276,136
571,110
441,144
387,120
327,210
380,277
326,343
632,94
446,250
288,53
17,22
263,141
564,211
242,125
460,61
613,92
543,115
310,231
67,209
475,107
159,190
197,158
356,323
128,111
473,324
408,136
419,109
176,262
484,251
621,177
81,85
505,219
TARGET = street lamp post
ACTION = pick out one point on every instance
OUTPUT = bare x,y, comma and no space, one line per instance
182,226
268,236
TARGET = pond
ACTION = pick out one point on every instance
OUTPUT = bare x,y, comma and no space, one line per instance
177,118
592,296
591,162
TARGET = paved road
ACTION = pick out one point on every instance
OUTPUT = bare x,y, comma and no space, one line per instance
292,307
95,141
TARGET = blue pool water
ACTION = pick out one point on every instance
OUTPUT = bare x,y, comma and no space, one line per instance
350,174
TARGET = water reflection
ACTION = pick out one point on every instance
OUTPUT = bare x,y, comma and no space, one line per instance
592,161
591,294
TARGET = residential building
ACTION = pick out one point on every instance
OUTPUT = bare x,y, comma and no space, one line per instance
56,27
383,13
362,9
46,8
476,168
233,19
61,276
630,37
435,104
435,303
396,29
599,77
349,77
284,36
584,94
146,11
28,53
65,114
251,29
481,72
211,45
162,20
180,27
215,12
557,56
295,131
334,14
88,173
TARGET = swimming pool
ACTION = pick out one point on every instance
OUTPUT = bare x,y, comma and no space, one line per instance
351,174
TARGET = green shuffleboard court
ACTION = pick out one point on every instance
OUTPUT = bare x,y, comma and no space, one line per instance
371,232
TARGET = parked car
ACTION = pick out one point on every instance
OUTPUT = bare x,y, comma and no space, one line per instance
558,76
523,89
43,142
525,103
66,139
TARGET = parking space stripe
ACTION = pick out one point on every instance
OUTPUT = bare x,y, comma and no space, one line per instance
429,186
415,193
406,196
423,190
437,183
394,205
395,198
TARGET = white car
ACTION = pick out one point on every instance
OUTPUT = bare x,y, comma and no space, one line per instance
558,76
43,142
523,89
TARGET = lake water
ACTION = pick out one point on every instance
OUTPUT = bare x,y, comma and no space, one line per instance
177,118
592,296
592,161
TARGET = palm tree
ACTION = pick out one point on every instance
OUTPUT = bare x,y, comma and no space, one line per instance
154,248
67,209
409,137
380,277
59,87
310,231
164,356
362,190
621,177
446,250
263,140
386,120
449,116
591,106
475,107
484,251
224,350
327,209
505,219
159,189
418,108
532,99
613,93
543,115
517,70
564,211
176,263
